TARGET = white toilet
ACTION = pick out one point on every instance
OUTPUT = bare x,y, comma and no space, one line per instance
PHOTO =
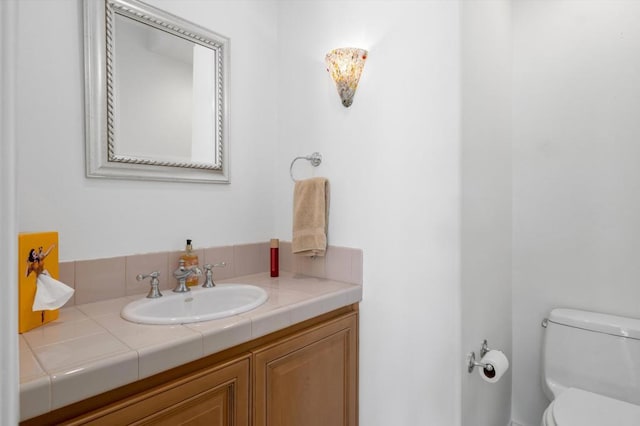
591,369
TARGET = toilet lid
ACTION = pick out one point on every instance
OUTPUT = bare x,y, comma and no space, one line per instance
576,407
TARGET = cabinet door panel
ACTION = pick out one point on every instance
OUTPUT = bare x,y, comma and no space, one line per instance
210,408
309,380
217,396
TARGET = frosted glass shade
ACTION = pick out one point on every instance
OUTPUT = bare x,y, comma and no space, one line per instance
345,66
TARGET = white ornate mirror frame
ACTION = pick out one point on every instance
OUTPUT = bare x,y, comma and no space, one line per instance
102,158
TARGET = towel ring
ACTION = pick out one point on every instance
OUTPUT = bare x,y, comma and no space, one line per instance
315,159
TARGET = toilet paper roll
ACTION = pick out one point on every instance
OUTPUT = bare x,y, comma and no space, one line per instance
499,363
50,293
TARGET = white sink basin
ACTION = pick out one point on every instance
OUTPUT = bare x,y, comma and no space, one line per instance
200,304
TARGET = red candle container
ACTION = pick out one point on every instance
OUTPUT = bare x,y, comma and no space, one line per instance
275,261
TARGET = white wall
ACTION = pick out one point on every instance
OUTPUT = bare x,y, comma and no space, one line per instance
486,202
393,161
101,218
576,189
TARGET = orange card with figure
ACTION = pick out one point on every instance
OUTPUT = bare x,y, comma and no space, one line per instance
37,254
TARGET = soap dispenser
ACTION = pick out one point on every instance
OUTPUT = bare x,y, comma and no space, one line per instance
190,262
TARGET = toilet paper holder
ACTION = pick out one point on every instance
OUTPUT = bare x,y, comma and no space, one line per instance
471,358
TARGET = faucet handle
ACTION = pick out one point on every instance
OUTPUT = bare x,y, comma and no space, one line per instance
208,283
154,291
153,275
181,269
210,266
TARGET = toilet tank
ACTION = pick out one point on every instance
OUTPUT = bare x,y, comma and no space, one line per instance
591,351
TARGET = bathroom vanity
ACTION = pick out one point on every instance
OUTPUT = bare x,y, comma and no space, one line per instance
302,373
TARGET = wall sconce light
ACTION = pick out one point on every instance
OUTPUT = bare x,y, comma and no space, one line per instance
345,66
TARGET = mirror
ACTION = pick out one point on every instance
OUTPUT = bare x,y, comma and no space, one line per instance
155,95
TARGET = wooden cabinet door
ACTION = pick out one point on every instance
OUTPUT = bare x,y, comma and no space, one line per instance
213,407
217,396
309,379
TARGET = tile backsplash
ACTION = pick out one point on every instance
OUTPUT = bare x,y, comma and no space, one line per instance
102,279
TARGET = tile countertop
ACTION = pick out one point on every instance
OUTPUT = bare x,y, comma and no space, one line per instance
90,349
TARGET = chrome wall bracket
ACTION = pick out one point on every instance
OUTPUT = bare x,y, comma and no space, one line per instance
315,159
471,358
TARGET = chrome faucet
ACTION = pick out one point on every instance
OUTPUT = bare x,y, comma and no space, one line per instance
154,291
182,274
208,282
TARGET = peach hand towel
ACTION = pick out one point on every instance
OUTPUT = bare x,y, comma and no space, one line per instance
310,215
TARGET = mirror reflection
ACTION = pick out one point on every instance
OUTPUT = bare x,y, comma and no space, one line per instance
165,95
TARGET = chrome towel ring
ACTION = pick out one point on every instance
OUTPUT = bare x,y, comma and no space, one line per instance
315,159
